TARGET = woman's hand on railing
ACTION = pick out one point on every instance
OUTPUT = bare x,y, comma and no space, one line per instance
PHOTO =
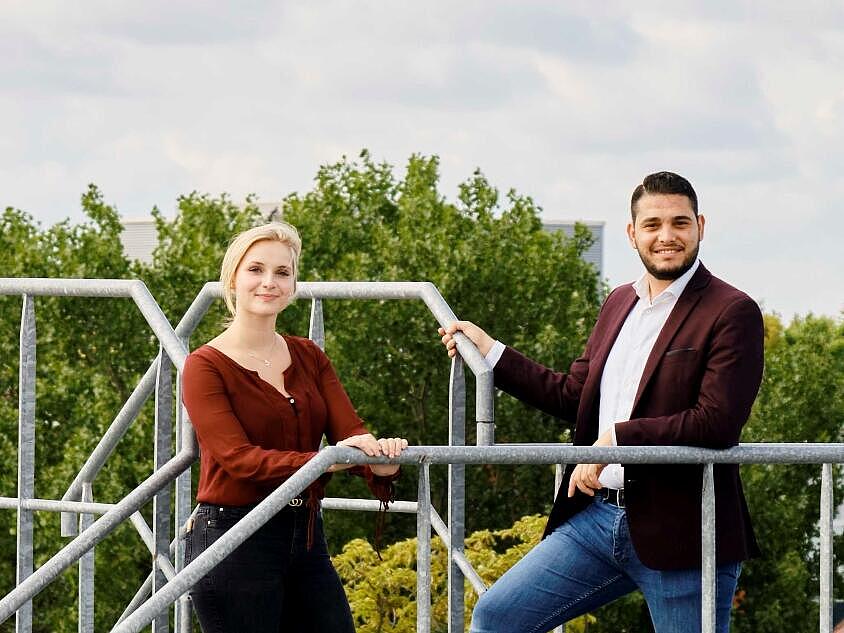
481,339
387,446
390,447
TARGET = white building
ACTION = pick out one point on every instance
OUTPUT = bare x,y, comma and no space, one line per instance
595,254
139,238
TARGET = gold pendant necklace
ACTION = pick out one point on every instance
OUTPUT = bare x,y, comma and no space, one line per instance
266,361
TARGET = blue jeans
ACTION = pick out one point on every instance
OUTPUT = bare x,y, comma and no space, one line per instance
272,583
588,562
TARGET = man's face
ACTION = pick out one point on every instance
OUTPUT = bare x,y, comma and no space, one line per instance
666,234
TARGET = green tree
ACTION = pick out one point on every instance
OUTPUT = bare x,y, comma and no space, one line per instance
90,354
360,222
382,591
493,263
801,400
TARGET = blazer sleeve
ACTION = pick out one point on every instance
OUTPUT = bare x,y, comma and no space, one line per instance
220,433
555,393
730,382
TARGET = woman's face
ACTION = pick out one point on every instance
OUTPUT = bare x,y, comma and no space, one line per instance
263,282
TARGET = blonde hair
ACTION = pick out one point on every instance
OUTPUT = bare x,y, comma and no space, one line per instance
275,232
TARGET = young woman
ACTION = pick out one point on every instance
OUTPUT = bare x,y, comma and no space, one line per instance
260,403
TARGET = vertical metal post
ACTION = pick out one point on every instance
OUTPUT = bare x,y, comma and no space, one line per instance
161,500
826,549
485,434
559,469
183,621
26,455
707,533
316,330
423,550
456,494
86,570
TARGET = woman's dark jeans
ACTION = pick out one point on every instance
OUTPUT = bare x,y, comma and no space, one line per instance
272,583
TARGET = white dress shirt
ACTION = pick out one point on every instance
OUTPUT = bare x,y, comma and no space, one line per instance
626,361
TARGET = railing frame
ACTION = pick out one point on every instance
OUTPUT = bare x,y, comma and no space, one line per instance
170,580
157,379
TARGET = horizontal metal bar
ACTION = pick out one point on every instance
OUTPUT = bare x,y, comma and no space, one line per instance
66,287
348,289
51,505
785,453
367,505
423,290
361,289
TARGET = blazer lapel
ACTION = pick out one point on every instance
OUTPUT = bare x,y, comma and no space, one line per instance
685,304
610,331
606,336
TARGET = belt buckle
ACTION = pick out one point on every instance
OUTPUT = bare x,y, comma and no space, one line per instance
295,502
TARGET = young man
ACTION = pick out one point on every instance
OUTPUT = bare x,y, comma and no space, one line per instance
675,359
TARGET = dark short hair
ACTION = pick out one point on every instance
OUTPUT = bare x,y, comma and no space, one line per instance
664,182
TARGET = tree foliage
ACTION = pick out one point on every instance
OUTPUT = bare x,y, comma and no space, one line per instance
382,592
359,222
90,353
801,400
493,263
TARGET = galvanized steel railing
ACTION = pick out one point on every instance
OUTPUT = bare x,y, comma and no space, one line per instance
168,467
169,581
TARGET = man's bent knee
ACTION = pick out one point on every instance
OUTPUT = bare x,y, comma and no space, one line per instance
488,615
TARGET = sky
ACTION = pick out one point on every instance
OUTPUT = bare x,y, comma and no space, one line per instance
572,103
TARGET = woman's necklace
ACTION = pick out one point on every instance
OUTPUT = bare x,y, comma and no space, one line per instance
266,361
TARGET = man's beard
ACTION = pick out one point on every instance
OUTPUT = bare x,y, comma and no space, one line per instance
670,274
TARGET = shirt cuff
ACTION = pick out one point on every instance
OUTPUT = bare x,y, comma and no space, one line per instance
494,353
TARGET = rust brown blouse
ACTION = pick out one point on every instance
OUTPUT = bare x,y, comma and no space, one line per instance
252,437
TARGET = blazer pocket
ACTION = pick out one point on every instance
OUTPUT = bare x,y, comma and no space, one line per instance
685,352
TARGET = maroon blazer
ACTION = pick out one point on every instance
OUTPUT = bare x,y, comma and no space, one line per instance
697,389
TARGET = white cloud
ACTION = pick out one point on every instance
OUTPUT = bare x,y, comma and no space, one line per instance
569,103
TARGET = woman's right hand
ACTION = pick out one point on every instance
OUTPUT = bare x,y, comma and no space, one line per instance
388,447
481,339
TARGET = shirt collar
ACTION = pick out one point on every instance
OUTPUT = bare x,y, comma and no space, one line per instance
673,291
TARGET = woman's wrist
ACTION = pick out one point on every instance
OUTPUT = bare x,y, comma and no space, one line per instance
384,470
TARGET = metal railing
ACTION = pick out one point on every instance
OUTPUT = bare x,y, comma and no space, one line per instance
427,518
169,580
76,504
